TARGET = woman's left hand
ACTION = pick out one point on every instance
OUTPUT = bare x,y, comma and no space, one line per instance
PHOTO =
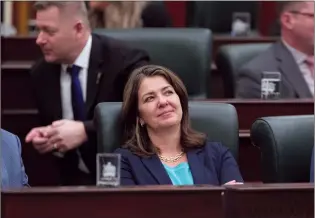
233,182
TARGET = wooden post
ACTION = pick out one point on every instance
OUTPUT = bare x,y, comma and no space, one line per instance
21,14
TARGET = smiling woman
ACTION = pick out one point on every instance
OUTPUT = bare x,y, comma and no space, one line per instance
160,145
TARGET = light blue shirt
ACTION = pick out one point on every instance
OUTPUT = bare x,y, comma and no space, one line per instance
180,174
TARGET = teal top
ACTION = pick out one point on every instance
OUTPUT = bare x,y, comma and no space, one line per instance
180,174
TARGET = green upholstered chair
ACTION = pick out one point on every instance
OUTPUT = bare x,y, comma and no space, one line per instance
231,57
286,144
186,51
218,120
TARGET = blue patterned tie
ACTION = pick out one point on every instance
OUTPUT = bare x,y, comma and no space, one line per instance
77,94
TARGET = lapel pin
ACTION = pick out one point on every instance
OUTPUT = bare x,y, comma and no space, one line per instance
99,74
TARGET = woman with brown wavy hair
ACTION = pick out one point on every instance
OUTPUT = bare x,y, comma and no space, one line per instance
160,147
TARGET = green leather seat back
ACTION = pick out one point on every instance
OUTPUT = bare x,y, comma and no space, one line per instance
286,144
230,58
185,51
218,120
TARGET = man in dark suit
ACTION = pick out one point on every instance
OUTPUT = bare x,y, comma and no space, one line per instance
12,168
292,56
79,70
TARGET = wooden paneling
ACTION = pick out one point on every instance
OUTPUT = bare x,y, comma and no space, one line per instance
270,201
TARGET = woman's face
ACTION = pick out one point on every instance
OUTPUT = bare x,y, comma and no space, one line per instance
158,104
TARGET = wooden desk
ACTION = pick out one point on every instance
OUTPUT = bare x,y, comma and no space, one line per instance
249,110
270,201
240,201
19,48
93,202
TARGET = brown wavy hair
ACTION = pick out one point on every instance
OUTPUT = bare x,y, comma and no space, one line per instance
135,137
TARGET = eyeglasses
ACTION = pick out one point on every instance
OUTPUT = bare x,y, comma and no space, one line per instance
310,15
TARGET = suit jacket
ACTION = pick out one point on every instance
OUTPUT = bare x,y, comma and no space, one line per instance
277,58
12,168
110,65
212,164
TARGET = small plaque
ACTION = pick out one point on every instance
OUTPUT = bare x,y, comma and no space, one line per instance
108,169
270,85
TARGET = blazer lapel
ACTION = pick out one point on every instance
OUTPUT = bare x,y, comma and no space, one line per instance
196,160
154,165
94,72
53,81
291,71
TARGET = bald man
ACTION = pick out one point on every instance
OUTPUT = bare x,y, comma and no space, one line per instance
78,70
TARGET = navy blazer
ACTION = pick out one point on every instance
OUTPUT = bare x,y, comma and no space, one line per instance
212,164
12,168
